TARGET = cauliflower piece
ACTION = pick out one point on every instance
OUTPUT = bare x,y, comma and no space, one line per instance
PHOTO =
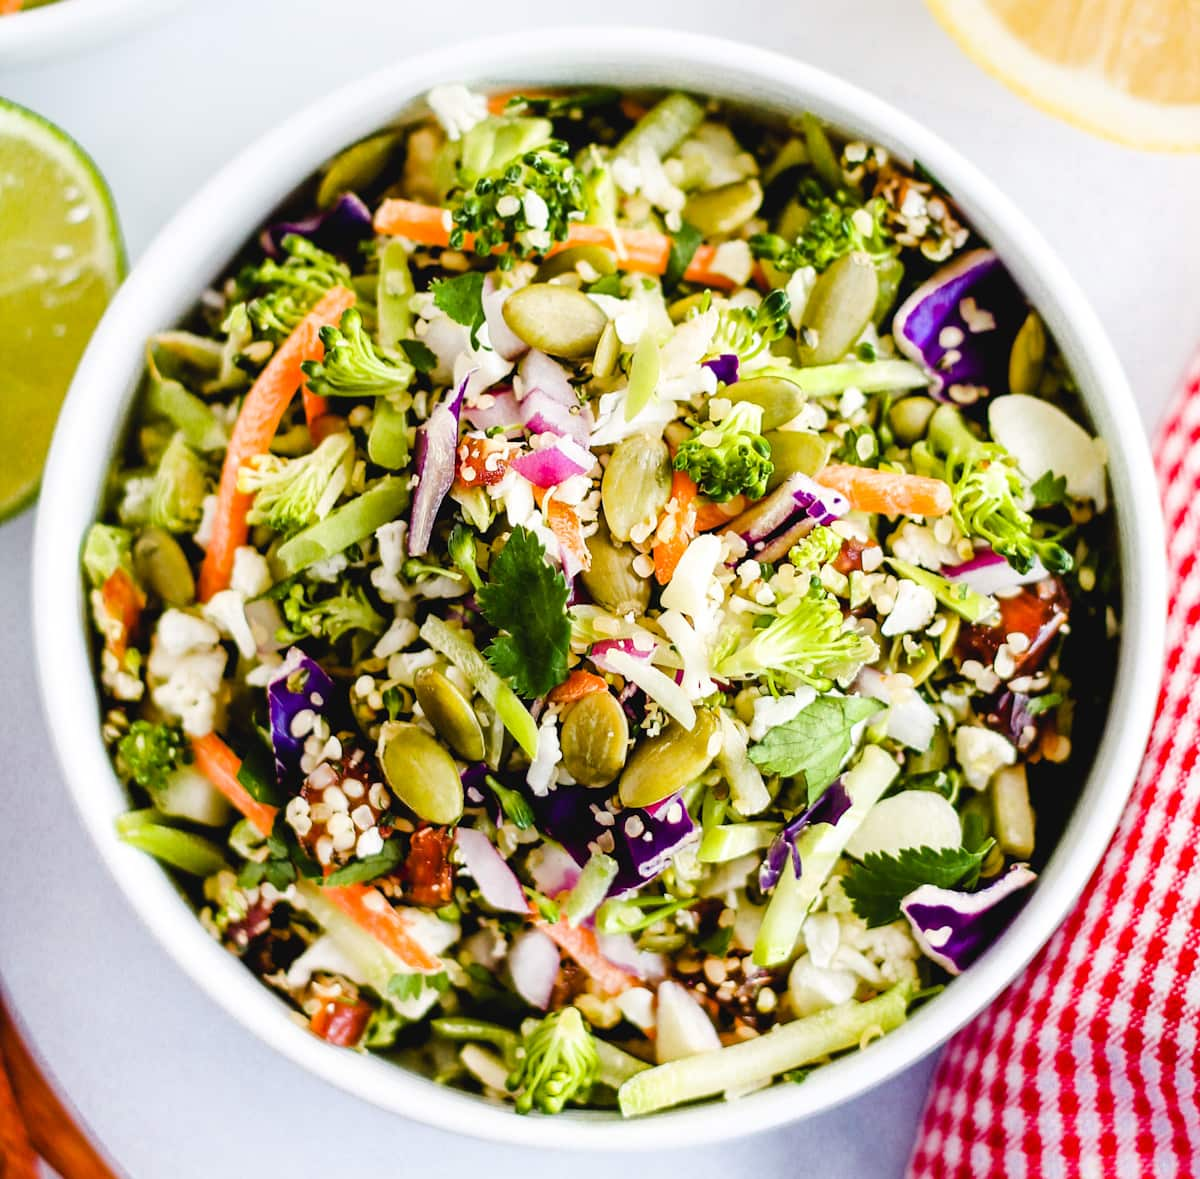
251,575
981,752
185,670
456,108
543,768
914,609
770,711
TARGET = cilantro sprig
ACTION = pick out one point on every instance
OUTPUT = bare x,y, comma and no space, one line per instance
876,887
461,298
526,599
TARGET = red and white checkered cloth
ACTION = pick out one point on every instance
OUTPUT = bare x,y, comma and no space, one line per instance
1087,1066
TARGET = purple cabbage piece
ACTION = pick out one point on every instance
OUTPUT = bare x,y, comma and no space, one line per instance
775,523
339,229
960,326
725,366
953,927
436,446
643,842
1011,715
299,684
829,808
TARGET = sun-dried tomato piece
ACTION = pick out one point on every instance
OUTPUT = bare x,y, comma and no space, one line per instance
427,875
1037,612
341,1023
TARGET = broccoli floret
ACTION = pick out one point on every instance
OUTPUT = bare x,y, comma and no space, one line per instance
808,645
817,548
730,457
352,367
289,289
461,548
180,485
150,753
291,493
836,225
749,330
327,618
557,1062
988,494
525,203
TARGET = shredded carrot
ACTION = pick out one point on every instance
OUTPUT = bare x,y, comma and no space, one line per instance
580,943
497,103
710,515
632,109
8,7
564,523
123,603
576,686
891,493
643,250
371,911
315,406
363,904
677,527
220,765
256,424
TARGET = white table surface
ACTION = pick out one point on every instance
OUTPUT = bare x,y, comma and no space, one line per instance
165,1081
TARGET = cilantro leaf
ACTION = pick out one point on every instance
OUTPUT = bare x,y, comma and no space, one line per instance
420,356
368,867
1049,490
684,244
876,887
815,742
527,598
257,775
461,299
408,986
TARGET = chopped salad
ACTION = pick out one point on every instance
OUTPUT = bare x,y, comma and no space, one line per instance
590,605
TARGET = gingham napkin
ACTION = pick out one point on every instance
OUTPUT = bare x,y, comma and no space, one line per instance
1087,1066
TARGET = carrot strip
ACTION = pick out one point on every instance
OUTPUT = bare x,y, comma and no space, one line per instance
580,943
710,515
8,7
123,602
891,493
576,686
256,424
315,406
220,765
677,527
366,906
643,250
369,909
564,523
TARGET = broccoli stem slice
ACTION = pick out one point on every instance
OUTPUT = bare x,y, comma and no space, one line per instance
184,850
789,1046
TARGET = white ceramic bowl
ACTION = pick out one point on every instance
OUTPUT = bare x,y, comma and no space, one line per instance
195,246
58,29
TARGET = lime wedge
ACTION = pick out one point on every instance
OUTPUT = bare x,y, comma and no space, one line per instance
61,258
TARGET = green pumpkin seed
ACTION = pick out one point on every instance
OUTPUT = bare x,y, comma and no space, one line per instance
450,713
160,565
608,352
890,272
779,400
1028,356
722,210
664,764
611,579
356,168
595,739
636,484
555,319
597,258
838,309
909,418
680,309
795,452
420,772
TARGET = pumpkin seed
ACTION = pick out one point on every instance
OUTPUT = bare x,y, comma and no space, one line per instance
356,168
450,713
636,484
680,309
890,273
1028,356
420,772
566,261
161,565
611,579
779,400
838,309
608,352
723,209
667,763
595,739
909,418
795,452
555,319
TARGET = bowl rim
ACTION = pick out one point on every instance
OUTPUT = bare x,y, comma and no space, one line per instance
210,228
67,26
